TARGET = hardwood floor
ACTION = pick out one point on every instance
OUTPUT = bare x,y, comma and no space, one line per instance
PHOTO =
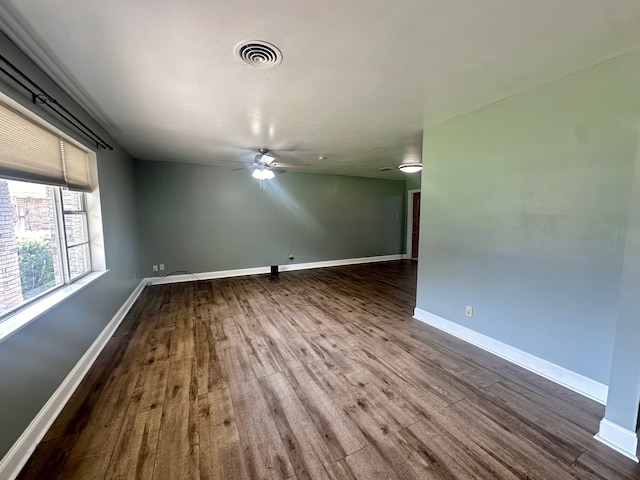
317,374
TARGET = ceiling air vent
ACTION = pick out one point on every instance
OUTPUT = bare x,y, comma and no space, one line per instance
258,54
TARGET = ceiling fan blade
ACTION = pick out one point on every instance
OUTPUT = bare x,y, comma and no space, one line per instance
295,157
278,170
244,165
290,165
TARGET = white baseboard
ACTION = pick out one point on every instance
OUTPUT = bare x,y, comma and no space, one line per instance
190,277
337,263
19,453
574,381
619,438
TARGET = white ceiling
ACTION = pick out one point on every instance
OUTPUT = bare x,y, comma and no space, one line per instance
358,82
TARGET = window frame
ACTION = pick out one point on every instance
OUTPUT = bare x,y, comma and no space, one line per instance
15,319
62,212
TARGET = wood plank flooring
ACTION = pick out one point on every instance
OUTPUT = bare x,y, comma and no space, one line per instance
318,374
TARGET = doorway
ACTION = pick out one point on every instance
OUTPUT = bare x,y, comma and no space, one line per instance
413,223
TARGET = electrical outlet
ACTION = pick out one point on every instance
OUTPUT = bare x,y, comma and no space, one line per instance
155,268
468,311
162,266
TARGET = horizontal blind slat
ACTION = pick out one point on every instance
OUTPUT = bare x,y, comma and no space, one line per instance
30,152
26,147
76,162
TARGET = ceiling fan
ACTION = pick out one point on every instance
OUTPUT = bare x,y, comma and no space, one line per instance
265,165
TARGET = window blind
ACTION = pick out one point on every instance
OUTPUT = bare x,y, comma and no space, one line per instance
76,167
31,153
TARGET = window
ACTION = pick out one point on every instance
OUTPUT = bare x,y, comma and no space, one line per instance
76,227
50,223
29,251
44,240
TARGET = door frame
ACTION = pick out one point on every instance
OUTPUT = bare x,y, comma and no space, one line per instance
410,194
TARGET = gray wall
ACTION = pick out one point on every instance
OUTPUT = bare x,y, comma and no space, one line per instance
524,216
202,218
35,360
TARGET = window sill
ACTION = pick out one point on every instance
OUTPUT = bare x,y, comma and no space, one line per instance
23,317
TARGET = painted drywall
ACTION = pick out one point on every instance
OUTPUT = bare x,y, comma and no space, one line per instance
414,180
624,384
35,360
524,216
202,218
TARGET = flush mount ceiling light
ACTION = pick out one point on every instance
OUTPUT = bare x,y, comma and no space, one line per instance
410,167
258,54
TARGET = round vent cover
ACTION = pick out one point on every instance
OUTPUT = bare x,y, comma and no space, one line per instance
258,54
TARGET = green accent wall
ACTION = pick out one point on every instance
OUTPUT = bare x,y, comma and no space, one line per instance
524,216
204,218
35,360
414,180
624,382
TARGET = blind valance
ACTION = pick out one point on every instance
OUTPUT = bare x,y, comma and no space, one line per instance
30,152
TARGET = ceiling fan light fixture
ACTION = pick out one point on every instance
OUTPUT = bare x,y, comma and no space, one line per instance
410,167
268,174
262,174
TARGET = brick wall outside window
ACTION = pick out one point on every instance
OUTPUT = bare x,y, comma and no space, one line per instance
10,287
